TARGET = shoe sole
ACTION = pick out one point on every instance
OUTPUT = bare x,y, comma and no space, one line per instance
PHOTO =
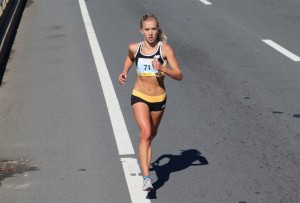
148,189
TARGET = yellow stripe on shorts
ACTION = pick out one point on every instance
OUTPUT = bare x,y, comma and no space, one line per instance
151,99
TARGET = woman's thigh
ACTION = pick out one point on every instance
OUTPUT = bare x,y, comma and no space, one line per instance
156,117
142,115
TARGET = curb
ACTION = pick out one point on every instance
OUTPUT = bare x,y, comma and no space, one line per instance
9,23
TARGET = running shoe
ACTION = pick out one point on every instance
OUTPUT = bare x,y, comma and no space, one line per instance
147,185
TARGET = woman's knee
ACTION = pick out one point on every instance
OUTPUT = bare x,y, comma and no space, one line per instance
146,134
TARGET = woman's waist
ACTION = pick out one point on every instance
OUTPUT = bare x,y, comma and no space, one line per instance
150,88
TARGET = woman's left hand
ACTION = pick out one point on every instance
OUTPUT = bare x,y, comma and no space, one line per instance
157,65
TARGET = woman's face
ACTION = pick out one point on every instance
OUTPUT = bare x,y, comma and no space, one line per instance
150,30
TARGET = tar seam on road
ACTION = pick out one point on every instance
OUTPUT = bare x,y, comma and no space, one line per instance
130,165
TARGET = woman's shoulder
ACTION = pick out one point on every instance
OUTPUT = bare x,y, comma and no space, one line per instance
166,48
133,46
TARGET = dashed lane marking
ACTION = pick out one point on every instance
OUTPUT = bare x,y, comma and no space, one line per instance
281,49
205,2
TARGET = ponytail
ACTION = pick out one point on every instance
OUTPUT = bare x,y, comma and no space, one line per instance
162,36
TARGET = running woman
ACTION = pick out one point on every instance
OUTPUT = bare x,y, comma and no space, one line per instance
154,59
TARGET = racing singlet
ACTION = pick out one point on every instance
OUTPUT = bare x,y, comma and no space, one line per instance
144,62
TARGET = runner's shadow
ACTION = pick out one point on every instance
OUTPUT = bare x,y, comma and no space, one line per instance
187,158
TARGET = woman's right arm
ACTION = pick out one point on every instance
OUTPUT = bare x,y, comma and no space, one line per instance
127,64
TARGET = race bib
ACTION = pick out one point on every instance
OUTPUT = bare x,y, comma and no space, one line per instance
145,66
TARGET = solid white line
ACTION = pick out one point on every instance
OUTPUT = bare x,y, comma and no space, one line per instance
205,2
132,175
282,50
118,124
130,166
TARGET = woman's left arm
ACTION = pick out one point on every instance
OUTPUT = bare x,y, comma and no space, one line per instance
174,70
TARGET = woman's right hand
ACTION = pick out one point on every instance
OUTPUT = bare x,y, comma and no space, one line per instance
122,78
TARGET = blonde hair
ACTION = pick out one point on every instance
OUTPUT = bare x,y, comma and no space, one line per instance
161,35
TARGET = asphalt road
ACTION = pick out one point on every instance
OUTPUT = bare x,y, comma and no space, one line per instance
231,130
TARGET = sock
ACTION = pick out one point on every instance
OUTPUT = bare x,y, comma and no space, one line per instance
145,177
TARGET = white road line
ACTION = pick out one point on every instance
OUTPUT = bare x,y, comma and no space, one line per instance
205,2
130,166
282,50
134,181
119,127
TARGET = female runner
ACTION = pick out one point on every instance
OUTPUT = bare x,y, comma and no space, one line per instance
154,59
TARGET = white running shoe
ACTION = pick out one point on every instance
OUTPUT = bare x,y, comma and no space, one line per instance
147,185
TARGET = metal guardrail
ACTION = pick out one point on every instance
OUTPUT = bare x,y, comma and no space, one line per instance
10,16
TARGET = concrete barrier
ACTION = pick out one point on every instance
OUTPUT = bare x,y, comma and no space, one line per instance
11,13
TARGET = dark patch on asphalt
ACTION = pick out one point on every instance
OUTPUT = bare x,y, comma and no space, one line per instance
56,27
296,115
15,166
10,167
277,112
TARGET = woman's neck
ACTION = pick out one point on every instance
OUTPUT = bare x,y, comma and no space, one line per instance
150,46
